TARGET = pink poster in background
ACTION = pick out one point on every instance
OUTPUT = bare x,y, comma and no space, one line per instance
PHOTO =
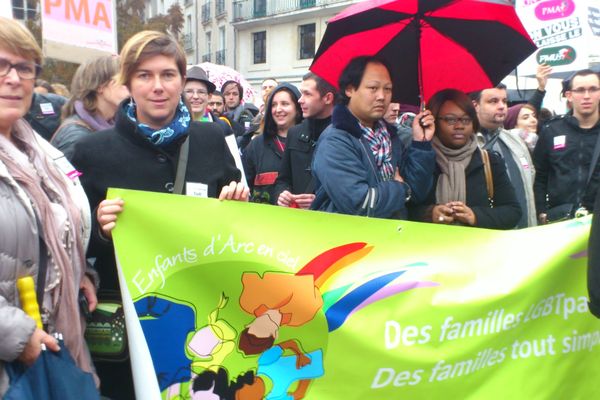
94,14
87,24
6,10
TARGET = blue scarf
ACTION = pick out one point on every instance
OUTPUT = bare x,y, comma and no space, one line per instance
162,137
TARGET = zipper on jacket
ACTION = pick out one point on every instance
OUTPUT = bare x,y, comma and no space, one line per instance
372,192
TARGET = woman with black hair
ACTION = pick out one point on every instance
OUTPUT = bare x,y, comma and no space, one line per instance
471,186
262,158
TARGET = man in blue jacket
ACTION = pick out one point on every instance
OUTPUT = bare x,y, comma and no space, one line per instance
360,165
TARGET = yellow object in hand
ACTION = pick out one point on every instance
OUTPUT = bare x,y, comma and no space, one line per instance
27,294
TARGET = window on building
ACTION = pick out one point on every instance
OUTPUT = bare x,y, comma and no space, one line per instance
221,38
207,56
307,3
260,8
306,34
24,9
260,47
220,54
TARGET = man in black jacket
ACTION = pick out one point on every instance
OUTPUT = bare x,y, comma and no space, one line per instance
44,113
565,177
294,186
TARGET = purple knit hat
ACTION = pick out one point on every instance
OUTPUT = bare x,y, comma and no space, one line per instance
511,116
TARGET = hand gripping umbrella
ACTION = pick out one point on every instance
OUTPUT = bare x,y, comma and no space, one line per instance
429,45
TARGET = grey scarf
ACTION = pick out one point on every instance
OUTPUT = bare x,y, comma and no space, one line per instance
452,183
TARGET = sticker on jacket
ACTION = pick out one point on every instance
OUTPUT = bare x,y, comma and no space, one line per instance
560,142
67,168
47,109
196,189
266,178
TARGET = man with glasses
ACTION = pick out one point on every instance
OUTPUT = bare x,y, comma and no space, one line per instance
197,91
44,111
566,155
492,106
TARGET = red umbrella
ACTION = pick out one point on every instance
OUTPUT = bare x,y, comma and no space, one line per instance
429,44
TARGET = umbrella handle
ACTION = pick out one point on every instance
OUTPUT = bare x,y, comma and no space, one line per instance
27,295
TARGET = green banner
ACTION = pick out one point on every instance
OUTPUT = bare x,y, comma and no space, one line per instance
252,301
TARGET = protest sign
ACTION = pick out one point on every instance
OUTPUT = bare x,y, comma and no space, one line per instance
77,30
358,308
6,9
565,31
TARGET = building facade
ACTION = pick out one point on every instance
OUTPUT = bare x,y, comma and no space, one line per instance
189,34
278,38
216,37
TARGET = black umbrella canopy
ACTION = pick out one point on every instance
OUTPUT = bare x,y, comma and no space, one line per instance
429,44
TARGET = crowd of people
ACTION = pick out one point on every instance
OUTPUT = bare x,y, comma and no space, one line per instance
145,121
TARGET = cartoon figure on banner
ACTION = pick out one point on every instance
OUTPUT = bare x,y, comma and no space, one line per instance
166,323
208,346
183,371
280,349
278,299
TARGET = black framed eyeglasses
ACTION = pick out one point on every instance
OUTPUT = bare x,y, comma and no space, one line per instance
25,70
582,91
451,120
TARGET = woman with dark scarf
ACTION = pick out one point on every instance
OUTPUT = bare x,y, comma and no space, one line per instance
142,151
44,220
262,157
92,106
460,195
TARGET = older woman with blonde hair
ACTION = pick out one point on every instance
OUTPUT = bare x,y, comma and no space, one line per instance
94,101
153,128
44,219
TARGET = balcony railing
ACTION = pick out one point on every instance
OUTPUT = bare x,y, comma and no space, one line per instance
244,10
188,41
206,13
206,57
220,57
220,8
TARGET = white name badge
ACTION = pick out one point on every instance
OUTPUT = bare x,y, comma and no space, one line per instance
560,142
524,162
196,189
47,108
67,168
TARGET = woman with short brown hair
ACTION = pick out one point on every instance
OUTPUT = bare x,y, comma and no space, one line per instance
142,151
